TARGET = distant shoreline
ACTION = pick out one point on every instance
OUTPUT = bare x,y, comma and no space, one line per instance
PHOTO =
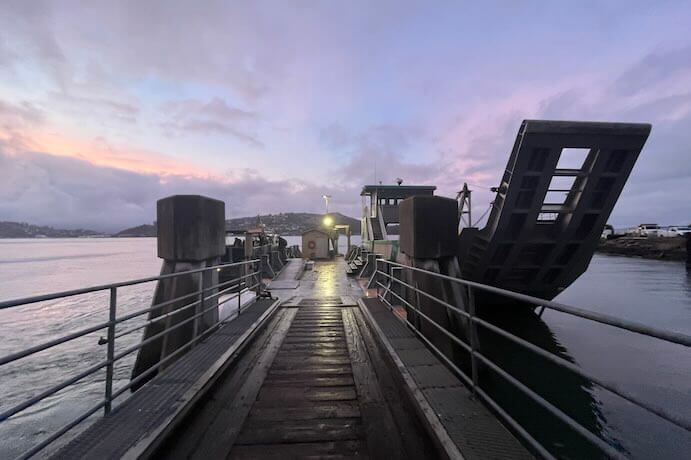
658,248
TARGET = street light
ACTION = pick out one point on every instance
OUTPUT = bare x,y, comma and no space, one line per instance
326,199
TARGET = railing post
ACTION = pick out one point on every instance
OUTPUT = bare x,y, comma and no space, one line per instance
473,337
376,279
243,270
198,309
258,269
110,353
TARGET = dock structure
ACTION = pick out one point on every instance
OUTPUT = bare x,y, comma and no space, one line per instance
402,361
323,373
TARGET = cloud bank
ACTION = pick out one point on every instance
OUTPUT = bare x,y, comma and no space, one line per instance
269,105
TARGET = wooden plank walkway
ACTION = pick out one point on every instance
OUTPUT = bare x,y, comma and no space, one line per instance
320,397
328,376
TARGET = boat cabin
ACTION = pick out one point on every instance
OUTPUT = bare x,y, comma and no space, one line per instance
380,207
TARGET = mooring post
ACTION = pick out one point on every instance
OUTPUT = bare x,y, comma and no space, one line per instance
429,240
191,236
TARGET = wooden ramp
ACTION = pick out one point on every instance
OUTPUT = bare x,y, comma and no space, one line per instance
310,390
323,375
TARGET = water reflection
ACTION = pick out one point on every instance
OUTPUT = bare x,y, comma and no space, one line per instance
573,394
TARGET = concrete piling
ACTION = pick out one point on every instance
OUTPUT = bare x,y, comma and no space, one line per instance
191,235
429,240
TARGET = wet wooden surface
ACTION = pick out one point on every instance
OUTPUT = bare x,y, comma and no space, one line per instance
320,396
318,383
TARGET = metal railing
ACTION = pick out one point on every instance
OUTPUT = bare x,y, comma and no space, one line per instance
250,279
385,270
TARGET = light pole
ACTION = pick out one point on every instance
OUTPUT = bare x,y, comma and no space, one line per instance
326,199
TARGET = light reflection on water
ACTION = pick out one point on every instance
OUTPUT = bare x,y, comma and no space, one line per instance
651,292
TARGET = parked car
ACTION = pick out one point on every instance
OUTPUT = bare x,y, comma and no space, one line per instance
679,231
649,230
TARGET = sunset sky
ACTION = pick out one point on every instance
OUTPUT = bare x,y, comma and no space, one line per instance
106,107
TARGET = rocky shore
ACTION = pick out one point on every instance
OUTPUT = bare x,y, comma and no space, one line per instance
673,248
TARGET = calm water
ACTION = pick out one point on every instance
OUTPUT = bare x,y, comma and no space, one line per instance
650,292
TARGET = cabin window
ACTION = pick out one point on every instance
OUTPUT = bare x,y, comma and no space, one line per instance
572,158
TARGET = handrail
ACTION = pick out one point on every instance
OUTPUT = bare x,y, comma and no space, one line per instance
103,287
249,280
676,337
475,355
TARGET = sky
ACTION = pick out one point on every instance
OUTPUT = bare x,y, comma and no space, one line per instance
106,107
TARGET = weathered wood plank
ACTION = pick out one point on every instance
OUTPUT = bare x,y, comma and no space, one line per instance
290,431
186,440
383,439
312,370
289,395
333,340
322,410
413,435
351,449
288,360
337,381
222,434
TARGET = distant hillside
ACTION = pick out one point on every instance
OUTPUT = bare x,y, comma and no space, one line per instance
140,230
292,223
24,230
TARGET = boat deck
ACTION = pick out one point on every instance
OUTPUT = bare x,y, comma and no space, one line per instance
328,375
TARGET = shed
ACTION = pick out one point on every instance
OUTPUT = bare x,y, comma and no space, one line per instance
315,244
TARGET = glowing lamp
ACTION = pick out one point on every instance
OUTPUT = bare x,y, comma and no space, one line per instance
328,221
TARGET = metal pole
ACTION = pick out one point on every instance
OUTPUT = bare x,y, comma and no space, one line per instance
259,278
473,337
110,350
376,274
199,308
243,277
